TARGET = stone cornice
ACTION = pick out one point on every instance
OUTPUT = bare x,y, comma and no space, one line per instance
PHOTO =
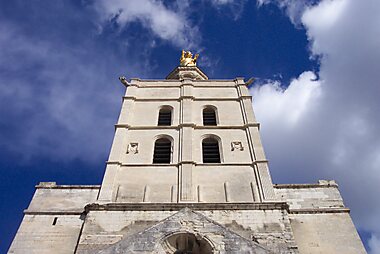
261,161
179,98
52,185
250,164
194,206
236,81
304,186
53,212
228,126
179,206
224,164
320,210
151,127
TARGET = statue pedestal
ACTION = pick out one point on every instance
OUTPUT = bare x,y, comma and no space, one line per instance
185,72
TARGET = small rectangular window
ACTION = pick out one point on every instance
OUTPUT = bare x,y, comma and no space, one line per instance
165,117
210,150
209,117
55,221
162,151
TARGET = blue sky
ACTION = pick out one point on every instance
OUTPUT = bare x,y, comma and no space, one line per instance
316,92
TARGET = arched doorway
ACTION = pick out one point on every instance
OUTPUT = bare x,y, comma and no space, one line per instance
187,243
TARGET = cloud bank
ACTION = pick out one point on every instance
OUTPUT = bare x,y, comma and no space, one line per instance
325,127
330,126
49,95
170,24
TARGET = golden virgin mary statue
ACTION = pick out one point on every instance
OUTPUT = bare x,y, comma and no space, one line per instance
187,59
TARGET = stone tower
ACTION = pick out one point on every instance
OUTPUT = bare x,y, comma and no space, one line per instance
187,173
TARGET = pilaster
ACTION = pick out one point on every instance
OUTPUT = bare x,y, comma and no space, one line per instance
264,184
186,147
107,190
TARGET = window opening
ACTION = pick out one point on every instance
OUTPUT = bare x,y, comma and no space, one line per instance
210,150
209,117
55,221
162,151
165,117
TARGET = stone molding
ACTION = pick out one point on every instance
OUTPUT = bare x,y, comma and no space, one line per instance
183,162
52,185
186,81
179,206
237,98
195,83
27,212
194,206
194,126
305,185
320,210
137,80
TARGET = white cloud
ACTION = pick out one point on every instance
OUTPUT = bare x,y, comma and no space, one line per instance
222,2
293,8
374,244
325,16
229,8
286,105
167,24
49,95
337,134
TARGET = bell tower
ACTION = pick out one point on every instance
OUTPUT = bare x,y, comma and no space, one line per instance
187,173
187,139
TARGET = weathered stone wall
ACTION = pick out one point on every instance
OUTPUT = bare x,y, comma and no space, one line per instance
243,167
152,240
38,235
326,233
320,221
270,228
324,194
53,220
51,197
147,184
103,228
145,139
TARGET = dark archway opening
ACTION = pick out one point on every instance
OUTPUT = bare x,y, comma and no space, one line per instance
187,243
162,151
210,150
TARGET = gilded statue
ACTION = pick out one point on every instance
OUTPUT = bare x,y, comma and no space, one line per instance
187,59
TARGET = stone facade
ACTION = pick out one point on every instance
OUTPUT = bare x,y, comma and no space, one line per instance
186,204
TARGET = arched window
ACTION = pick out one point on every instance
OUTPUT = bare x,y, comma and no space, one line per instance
165,117
209,117
210,150
162,151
